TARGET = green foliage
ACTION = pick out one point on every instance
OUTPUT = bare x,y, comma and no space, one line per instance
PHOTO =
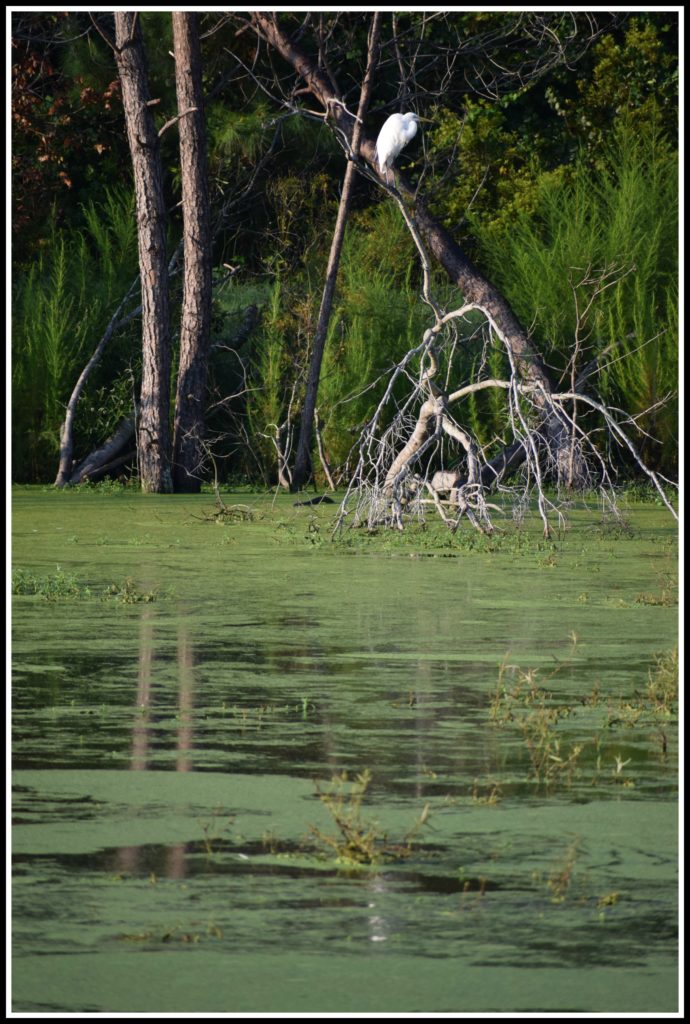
493,166
268,401
61,306
623,215
495,154
240,134
378,316
487,411
635,75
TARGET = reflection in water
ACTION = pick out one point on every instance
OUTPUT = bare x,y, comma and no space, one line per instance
141,724
379,927
129,857
185,666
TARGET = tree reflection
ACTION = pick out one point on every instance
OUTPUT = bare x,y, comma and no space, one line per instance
172,863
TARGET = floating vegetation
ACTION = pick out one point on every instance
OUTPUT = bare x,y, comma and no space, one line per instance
667,595
488,792
176,934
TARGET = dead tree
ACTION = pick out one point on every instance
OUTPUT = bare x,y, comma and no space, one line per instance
474,287
420,454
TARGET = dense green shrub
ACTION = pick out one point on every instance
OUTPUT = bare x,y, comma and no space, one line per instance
621,215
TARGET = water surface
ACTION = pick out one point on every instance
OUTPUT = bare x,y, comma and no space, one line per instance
168,756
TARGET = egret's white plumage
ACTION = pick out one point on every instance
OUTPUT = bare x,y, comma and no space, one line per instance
397,131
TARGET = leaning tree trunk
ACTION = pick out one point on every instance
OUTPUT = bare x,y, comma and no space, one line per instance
195,330
109,455
153,440
461,271
65,467
303,459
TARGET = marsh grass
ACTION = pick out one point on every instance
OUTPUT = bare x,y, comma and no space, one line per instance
561,878
487,792
258,716
61,306
528,707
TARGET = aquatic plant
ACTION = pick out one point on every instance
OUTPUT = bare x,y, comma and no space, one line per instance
51,587
128,592
667,595
359,841
520,702
662,688
560,879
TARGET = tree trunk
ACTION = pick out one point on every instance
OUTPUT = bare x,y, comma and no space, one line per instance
303,458
153,440
195,330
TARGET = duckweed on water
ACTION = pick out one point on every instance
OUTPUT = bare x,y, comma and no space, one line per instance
172,745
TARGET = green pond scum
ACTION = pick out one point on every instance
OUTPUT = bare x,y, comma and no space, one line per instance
260,770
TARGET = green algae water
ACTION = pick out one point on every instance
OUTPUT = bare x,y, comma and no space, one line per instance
258,771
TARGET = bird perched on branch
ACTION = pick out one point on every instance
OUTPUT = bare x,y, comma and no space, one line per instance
398,130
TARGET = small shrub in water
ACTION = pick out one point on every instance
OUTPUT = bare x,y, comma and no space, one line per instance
358,841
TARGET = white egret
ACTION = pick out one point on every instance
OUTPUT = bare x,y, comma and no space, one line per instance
398,130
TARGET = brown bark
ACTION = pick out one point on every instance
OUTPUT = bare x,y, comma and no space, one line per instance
303,458
195,329
153,440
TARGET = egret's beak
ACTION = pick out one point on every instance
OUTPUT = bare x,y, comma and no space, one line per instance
429,120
